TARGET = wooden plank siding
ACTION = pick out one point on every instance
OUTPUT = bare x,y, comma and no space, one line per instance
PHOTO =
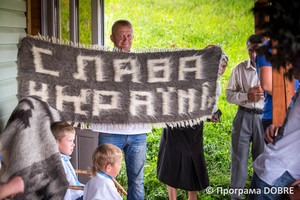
8,53
10,103
11,35
12,29
8,70
13,5
12,19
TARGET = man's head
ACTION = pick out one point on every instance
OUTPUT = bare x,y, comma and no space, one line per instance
224,64
122,34
224,60
253,42
64,135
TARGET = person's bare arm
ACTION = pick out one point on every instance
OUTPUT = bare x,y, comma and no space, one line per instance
12,187
265,74
295,183
270,132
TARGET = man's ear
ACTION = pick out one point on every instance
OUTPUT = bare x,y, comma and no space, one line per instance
112,38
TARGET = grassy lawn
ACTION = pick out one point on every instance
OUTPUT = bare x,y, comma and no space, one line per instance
187,24
190,23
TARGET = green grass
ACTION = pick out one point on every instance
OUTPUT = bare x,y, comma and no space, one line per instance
186,24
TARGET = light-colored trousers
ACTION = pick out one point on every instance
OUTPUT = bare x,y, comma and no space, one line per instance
247,127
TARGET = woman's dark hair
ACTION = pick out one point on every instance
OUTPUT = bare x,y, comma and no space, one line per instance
283,29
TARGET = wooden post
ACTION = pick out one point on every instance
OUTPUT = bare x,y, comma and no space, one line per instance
33,17
282,88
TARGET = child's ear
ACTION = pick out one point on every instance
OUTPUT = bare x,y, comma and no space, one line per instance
108,168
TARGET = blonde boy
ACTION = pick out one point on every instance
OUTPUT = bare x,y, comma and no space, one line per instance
64,135
107,159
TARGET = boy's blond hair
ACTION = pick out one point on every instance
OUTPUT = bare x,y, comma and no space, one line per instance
59,128
104,155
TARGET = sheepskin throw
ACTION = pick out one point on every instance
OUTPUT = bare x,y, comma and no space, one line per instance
94,85
29,150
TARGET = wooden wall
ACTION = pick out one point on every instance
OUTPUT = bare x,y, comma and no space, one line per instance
12,29
34,17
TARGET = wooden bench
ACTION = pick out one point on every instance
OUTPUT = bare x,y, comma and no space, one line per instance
121,190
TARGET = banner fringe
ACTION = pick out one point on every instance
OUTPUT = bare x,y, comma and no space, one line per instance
178,124
104,48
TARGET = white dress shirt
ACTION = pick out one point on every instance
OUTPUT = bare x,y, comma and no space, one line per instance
101,187
72,179
285,154
243,77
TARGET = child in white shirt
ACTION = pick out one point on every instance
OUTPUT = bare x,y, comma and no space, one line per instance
107,159
64,135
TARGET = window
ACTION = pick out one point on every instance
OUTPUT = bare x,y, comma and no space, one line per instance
77,21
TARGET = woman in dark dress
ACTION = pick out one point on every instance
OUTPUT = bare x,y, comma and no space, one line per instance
180,161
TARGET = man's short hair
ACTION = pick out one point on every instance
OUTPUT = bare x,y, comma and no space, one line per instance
121,22
256,39
59,128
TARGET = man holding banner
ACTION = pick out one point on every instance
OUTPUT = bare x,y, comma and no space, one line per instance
132,138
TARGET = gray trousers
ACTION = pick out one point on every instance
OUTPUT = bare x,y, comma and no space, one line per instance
247,127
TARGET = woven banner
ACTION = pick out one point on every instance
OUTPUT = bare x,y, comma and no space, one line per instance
92,85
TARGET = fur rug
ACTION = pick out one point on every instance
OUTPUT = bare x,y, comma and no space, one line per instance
108,87
29,150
